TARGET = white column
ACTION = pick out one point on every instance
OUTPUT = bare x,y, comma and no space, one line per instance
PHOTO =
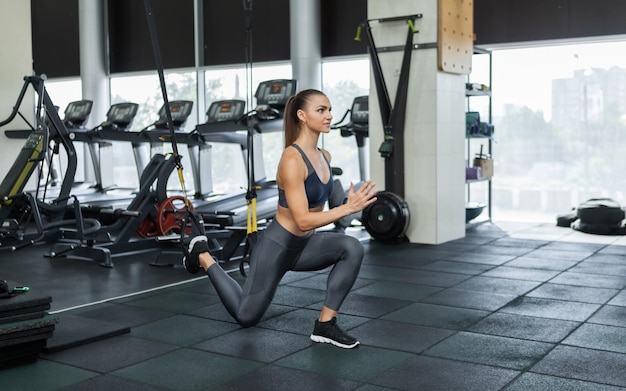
95,86
93,73
306,51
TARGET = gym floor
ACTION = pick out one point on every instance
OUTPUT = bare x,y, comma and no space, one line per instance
512,306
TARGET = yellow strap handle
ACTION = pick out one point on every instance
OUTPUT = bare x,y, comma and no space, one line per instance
181,179
252,220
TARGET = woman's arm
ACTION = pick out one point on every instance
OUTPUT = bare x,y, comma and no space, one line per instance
292,172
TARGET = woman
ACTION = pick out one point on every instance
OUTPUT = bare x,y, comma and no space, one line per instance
290,242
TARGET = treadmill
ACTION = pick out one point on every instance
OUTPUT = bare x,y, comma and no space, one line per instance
158,135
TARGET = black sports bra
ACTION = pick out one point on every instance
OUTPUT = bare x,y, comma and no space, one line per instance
317,192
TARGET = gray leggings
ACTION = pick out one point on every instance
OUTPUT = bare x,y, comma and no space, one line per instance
278,251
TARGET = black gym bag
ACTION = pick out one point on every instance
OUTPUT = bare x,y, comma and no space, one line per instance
602,216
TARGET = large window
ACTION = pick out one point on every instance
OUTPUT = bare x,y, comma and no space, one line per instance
229,170
560,128
145,90
343,81
62,92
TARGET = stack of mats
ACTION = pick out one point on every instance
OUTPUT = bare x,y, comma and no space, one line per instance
25,326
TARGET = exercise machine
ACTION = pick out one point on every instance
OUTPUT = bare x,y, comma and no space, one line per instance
26,217
116,127
76,115
387,219
357,127
159,135
122,236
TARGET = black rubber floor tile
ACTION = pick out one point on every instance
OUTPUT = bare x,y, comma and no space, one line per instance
432,253
541,263
217,311
404,257
619,300
491,350
273,378
613,250
126,315
584,364
188,369
368,306
573,293
301,321
291,276
575,246
43,375
601,337
501,250
537,382
457,267
375,249
592,280
360,364
436,374
563,255
182,330
520,273
111,354
519,243
525,327
397,290
487,259
201,285
610,315
437,316
609,269
109,383
617,259
469,299
257,344
319,281
411,276
75,330
175,301
399,336
553,309
297,297
473,237
505,286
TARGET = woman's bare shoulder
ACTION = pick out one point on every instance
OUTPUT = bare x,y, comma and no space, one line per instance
327,154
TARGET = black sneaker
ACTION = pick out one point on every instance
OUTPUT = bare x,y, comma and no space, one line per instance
329,332
197,246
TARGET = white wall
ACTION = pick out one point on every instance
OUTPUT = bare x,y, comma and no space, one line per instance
15,63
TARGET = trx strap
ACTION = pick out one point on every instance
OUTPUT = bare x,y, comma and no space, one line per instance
189,216
251,196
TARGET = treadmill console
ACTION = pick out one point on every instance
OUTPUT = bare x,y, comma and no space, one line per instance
275,93
225,110
77,113
359,114
180,111
121,115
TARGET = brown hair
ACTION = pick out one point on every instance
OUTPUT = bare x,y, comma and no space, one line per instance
291,124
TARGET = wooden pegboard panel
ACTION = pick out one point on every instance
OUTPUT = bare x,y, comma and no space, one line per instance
456,35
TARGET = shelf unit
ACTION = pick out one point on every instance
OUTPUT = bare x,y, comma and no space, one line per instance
473,143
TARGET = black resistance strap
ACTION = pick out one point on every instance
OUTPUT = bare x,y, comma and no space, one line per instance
189,216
